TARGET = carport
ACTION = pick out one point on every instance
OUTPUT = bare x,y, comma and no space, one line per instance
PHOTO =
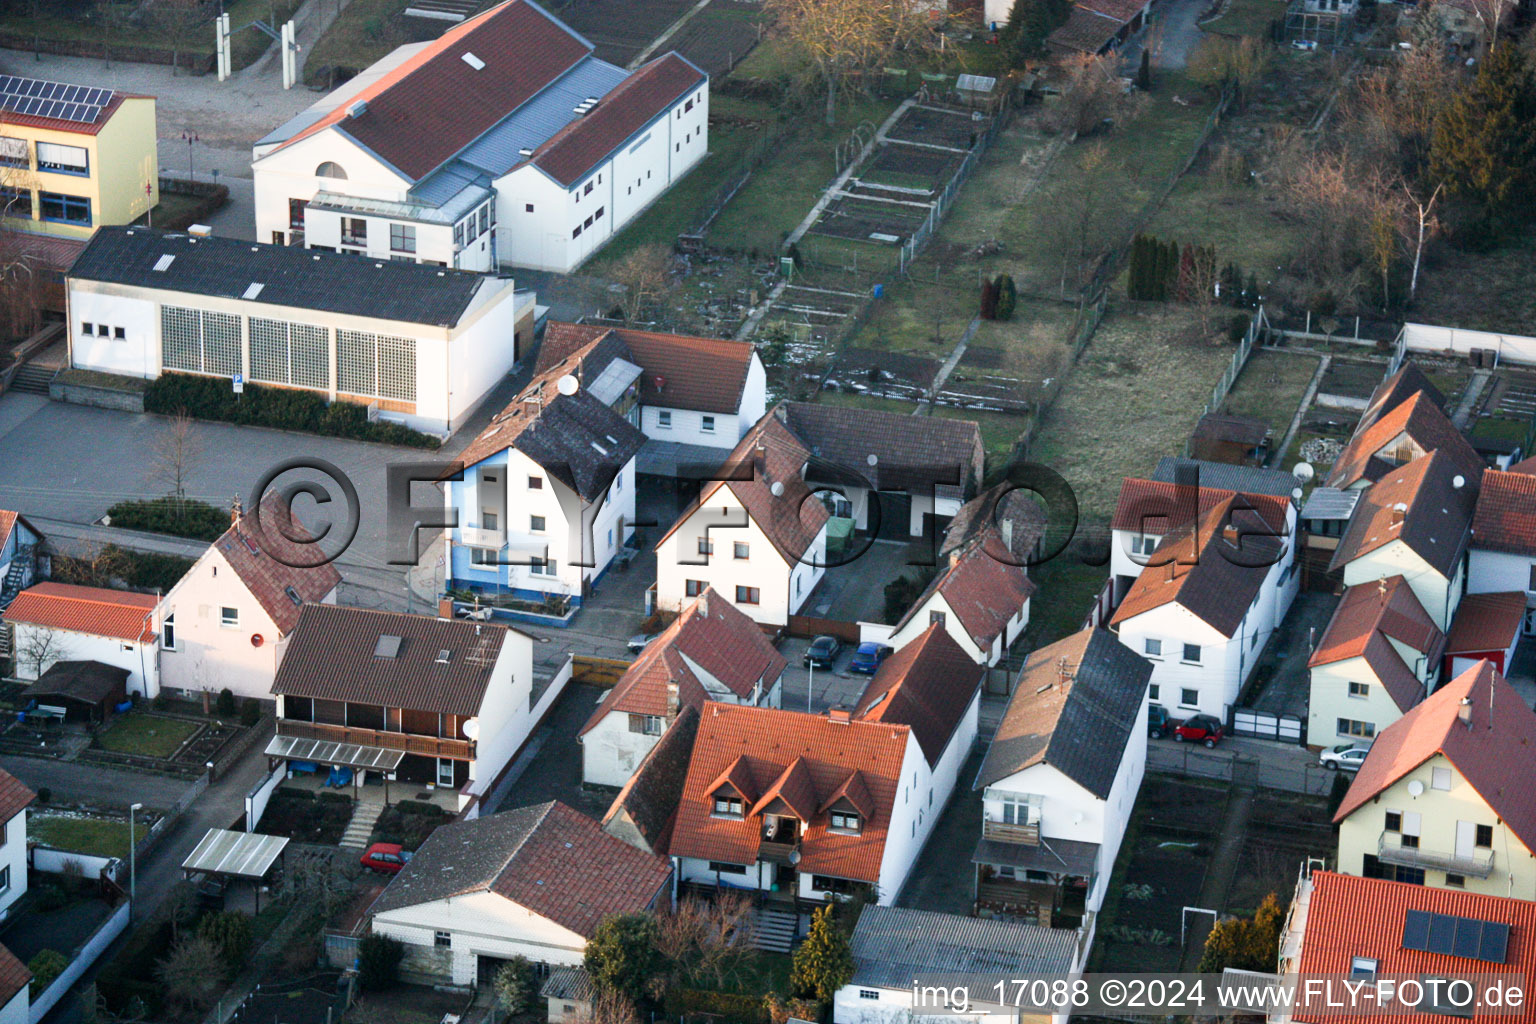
86,690
305,754
241,855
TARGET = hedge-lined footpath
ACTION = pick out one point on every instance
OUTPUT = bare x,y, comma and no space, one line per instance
212,398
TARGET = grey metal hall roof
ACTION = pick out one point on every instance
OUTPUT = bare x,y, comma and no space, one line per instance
1227,477
893,945
1070,857
289,275
246,854
1330,503
346,755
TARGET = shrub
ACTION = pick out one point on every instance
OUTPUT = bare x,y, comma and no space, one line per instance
745,1009
230,930
47,965
378,961
823,963
622,956
225,704
209,398
417,807
1237,327
44,794
50,897
325,796
1007,296
515,985
250,711
196,520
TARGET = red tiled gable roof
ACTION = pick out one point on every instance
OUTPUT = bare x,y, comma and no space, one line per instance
738,777
1155,507
259,549
572,872
14,976
1408,381
1505,519
1085,31
983,592
646,808
59,124
770,454
681,371
984,519
93,610
435,103
854,791
927,685
711,633
1198,567
1370,615
1528,467
1493,752
764,742
1486,622
793,789
1348,917
1432,521
651,90
14,798
1421,419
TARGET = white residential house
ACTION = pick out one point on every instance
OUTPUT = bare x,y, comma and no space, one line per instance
504,142
15,798
20,560
693,398
1413,522
1444,797
532,882
53,622
547,499
1378,658
712,651
223,625
1202,610
1059,781
429,702
815,807
414,344
15,989
1502,553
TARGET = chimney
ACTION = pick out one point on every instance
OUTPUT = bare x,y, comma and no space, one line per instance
780,414
1399,513
1007,530
445,608
1229,533
674,704
1464,712
1381,589
704,604
1064,670
840,715
760,458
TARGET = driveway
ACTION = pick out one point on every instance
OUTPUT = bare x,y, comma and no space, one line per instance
1282,683
944,879
1283,766
856,592
1173,32
95,785
555,772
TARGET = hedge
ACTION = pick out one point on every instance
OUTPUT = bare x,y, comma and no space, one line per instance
734,1007
212,398
186,518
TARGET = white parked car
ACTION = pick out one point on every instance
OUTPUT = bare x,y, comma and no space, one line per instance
1345,757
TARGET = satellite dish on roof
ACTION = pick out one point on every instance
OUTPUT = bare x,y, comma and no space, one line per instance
777,489
1415,788
1458,481
872,459
567,385
471,728
1304,471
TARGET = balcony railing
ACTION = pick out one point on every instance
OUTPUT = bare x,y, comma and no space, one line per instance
479,537
1026,835
775,853
410,743
1389,848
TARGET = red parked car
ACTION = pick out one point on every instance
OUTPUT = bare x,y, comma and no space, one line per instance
386,858
1200,729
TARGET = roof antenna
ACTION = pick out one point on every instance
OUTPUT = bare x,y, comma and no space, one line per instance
236,510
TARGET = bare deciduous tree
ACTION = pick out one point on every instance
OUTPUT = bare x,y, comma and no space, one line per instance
1229,63
840,38
39,648
1077,217
1094,94
178,19
1425,226
176,455
608,1007
192,972
643,274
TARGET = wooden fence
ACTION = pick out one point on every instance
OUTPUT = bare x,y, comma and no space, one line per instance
809,626
595,671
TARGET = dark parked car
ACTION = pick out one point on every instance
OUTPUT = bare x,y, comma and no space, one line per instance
386,858
1200,729
823,652
1157,721
211,890
867,659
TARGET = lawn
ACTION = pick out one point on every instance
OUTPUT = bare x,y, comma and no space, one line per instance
1270,388
365,31
96,836
86,25
1480,291
999,430
1247,18
146,735
171,206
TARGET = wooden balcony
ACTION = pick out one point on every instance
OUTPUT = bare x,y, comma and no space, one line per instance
775,853
410,743
1025,835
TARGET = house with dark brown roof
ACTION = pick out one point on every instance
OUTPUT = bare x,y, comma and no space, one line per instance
1501,556
1444,798
503,142
769,505
712,651
1212,591
15,798
1378,657
413,699
546,500
223,624
813,807
533,882
1413,522
1409,430
693,398
1059,780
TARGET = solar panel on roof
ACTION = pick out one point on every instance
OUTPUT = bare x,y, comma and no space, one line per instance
1416,930
1465,937
1442,933
1469,938
1495,944
79,103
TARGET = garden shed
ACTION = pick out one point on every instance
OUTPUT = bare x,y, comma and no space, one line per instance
86,690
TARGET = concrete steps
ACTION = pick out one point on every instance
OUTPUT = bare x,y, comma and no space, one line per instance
773,930
34,380
360,828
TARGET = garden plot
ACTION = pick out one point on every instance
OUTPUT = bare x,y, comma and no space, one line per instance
621,29
875,214
909,167
883,374
1283,832
720,35
939,128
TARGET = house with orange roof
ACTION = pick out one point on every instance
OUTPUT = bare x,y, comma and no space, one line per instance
1392,435
803,807
52,622
1444,798
225,623
1213,591
1501,556
1377,658
712,651
1413,522
1487,628
1341,925
503,142
20,559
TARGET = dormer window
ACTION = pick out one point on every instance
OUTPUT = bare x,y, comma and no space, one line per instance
846,821
727,806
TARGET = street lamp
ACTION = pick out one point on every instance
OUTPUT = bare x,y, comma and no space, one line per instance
190,138
133,865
